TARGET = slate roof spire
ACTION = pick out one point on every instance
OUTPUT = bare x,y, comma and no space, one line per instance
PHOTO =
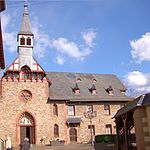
25,27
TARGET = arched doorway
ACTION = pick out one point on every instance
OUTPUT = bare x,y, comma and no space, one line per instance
73,135
27,128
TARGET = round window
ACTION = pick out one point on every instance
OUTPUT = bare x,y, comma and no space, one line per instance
25,95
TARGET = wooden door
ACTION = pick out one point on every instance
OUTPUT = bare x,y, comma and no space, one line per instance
73,135
27,131
32,135
27,128
22,134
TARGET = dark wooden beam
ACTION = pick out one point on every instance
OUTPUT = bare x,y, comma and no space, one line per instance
126,131
117,131
2,5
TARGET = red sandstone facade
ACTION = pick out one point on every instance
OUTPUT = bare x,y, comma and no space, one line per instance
45,107
41,117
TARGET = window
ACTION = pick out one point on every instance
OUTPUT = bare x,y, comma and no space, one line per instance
10,75
28,41
107,109
108,128
22,41
55,110
91,127
16,75
25,95
123,91
93,90
25,72
40,76
34,75
56,131
89,108
26,119
71,110
76,89
110,90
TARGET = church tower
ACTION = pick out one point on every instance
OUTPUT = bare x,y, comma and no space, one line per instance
24,92
25,41
25,67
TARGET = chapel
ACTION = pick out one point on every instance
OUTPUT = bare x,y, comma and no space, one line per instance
44,106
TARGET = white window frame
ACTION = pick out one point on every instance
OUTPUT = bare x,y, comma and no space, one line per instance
107,109
71,110
89,108
108,128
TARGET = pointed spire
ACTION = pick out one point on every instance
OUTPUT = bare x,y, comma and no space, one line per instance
25,27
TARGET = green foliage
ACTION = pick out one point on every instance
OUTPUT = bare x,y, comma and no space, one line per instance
111,138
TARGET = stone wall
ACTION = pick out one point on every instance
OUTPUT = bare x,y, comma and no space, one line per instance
140,121
147,132
12,107
41,110
101,119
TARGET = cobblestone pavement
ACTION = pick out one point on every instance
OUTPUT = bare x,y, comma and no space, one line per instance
66,147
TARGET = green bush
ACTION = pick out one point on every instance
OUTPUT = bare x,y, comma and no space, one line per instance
111,138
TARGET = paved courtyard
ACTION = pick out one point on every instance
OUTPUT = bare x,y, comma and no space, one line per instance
66,147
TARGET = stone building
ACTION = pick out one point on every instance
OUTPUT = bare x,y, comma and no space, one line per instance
48,106
133,124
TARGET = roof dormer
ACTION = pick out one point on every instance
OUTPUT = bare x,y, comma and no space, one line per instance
123,91
110,90
93,89
76,89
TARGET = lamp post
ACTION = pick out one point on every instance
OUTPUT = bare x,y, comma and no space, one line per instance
90,115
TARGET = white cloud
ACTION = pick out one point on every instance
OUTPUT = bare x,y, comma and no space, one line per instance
9,38
60,60
137,82
71,49
136,78
42,40
89,36
62,45
141,48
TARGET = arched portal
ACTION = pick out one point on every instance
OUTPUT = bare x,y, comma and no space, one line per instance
27,127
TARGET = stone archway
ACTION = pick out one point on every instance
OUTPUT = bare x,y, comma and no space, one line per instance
27,127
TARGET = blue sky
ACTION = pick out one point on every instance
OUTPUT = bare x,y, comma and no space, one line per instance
87,36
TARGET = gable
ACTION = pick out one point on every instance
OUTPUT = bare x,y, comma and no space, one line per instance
15,66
